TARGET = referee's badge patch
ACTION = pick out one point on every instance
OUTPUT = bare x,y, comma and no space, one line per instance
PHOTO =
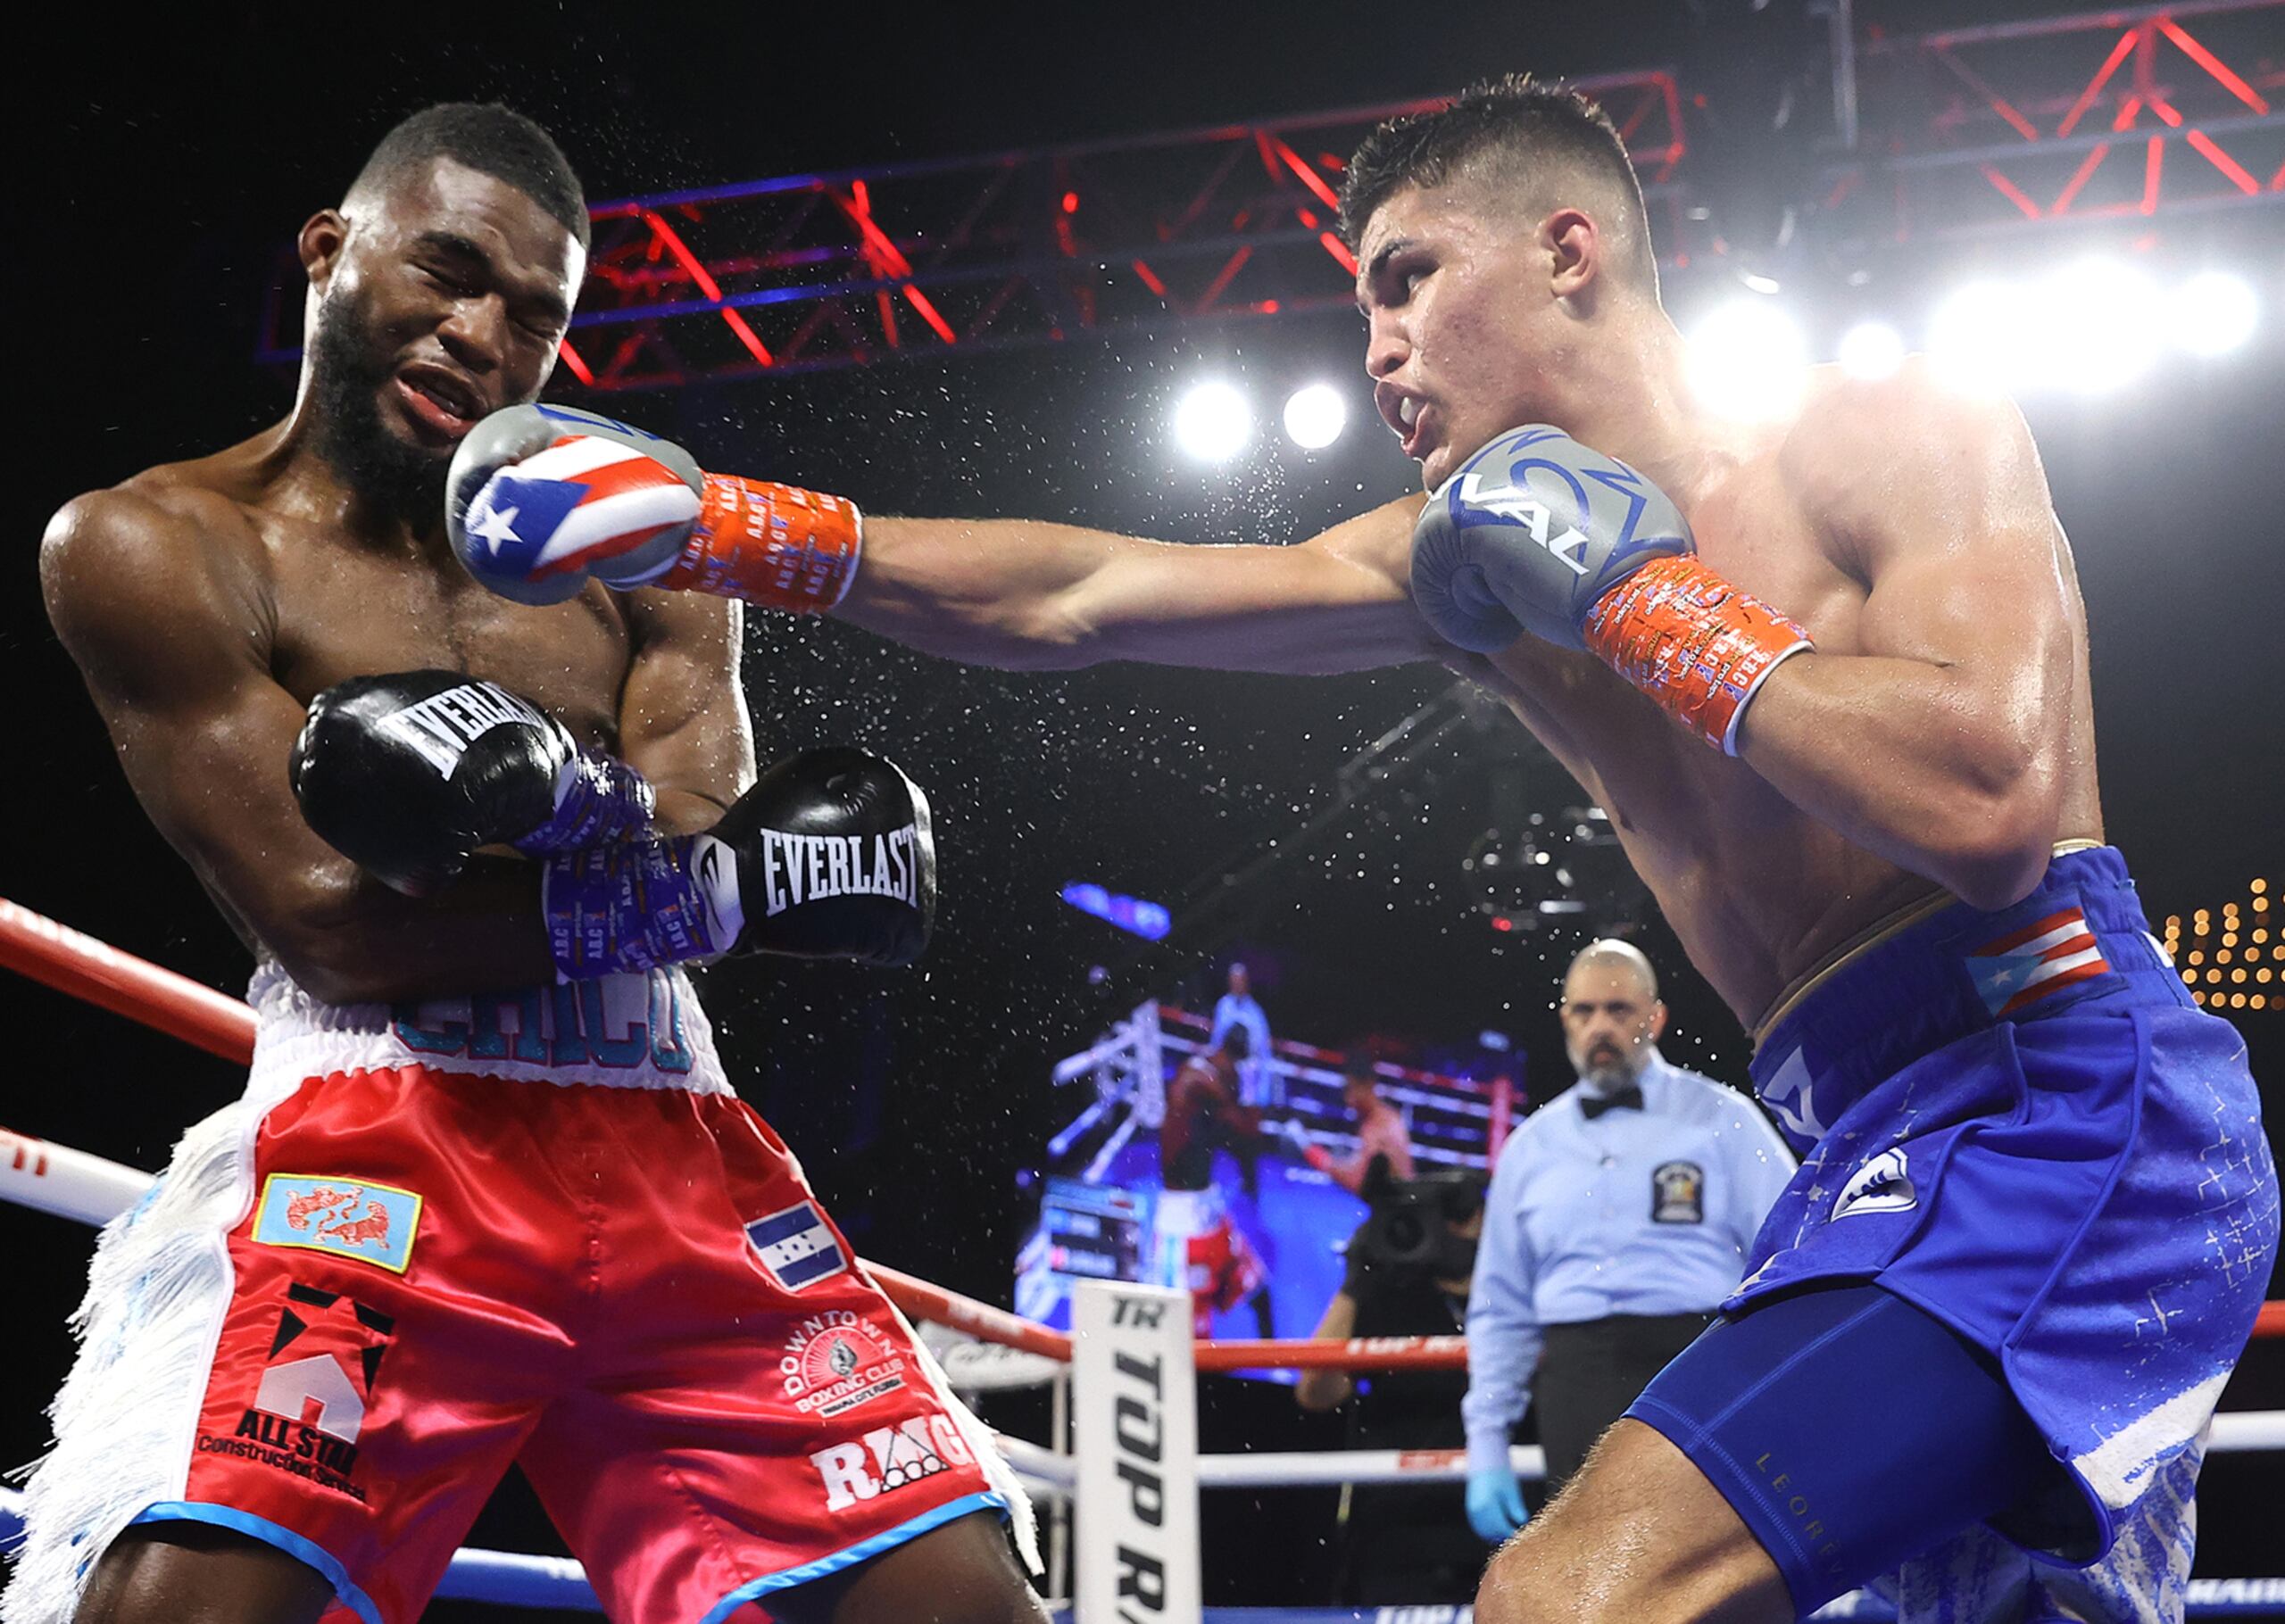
1678,1193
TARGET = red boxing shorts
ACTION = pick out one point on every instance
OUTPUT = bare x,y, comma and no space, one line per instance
355,1298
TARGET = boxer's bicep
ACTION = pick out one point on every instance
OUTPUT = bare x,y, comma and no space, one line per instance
683,722
1966,577
169,622
169,630
1931,726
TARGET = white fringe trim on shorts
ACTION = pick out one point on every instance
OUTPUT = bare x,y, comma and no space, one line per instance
126,1418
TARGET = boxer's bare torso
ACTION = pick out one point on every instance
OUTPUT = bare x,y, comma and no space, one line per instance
1203,1114
207,600
1760,892
329,605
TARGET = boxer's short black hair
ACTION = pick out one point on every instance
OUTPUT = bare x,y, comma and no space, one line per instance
1513,127
491,139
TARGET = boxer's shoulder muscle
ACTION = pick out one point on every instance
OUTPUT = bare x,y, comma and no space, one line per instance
157,551
1876,463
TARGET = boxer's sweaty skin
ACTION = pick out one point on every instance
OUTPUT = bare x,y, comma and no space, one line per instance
206,601
1940,737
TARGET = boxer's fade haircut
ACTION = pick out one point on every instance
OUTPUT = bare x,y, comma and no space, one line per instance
492,140
1508,131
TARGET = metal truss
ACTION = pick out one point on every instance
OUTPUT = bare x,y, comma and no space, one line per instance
2158,110
805,272
2161,110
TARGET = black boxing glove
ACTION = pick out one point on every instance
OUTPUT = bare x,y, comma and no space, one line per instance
828,856
407,775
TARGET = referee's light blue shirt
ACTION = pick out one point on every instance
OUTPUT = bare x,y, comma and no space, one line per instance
1231,1010
1647,1211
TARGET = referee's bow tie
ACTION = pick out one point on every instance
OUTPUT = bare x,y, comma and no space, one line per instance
1595,1105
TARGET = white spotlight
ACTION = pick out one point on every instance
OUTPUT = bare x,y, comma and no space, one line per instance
1982,334
2213,313
1748,359
1870,350
2097,325
1315,416
1213,422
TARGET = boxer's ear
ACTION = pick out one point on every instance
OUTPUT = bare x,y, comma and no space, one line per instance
323,237
1575,249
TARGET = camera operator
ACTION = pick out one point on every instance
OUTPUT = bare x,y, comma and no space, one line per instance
1618,1218
1408,1267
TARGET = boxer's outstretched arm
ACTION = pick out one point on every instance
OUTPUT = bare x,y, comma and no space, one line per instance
1044,596
168,616
1941,740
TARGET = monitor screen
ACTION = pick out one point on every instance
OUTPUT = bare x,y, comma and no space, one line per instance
1239,1177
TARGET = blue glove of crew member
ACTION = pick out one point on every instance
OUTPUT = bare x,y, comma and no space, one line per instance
1495,1503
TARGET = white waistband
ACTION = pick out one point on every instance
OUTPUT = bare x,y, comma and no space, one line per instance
633,1032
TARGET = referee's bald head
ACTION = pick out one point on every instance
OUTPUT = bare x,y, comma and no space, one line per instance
1609,952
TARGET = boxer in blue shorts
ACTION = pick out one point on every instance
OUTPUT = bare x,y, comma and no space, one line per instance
1827,672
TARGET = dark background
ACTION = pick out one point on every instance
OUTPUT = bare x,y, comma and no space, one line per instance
157,175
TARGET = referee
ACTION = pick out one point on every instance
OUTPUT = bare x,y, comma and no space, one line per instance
1618,1219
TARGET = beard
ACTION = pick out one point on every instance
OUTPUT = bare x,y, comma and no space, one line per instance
349,363
1606,1070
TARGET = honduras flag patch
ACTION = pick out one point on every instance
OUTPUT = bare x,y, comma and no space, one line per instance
796,1246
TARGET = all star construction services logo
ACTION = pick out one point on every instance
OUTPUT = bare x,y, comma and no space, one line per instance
316,1385
834,1362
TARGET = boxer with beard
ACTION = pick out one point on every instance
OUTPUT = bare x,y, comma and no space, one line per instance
448,1229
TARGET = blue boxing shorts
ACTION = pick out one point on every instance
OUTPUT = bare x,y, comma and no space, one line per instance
1983,1330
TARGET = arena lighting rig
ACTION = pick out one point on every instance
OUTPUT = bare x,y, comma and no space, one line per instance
2129,122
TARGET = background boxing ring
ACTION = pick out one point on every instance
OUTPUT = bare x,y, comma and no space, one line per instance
1111,1146
1121,1475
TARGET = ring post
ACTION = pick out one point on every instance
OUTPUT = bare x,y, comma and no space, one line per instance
1134,1403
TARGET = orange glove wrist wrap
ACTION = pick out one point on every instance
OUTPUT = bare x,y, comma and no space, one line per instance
1696,644
772,544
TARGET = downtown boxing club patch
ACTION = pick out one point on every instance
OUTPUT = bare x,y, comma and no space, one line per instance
835,1363
353,1218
